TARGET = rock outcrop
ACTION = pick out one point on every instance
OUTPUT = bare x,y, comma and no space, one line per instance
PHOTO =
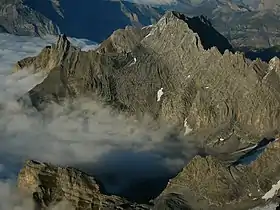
49,185
177,71
208,183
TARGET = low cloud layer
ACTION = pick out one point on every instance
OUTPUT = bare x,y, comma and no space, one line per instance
85,134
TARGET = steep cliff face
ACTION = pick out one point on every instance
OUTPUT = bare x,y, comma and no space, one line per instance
177,71
50,185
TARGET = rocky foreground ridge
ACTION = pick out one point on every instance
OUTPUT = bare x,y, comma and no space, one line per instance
205,183
182,72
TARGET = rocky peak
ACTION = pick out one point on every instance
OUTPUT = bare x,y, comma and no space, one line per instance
49,185
183,60
62,43
124,40
199,28
50,56
228,185
274,64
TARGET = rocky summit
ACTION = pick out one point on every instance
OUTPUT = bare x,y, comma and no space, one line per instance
182,72
208,183
51,185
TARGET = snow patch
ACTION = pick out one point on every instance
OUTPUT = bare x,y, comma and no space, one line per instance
221,139
159,94
273,63
149,26
134,61
150,34
207,87
272,191
189,76
187,128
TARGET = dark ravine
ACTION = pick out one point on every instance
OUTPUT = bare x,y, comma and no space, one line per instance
226,100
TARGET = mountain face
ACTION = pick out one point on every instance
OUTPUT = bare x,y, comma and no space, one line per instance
17,18
251,24
263,5
243,23
242,187
182,72
232,98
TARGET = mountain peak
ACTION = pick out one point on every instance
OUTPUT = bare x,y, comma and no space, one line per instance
63,43
199,27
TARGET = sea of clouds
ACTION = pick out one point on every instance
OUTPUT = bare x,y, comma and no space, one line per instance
83,134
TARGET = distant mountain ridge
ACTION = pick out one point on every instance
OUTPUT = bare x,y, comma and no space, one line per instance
94,20
245,23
